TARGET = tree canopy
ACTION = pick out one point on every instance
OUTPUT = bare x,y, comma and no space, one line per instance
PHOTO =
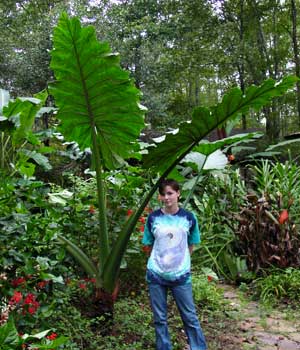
181,54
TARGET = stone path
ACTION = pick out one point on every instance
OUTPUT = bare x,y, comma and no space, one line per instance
260,329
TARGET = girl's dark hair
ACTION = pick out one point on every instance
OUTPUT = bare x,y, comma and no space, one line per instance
168,182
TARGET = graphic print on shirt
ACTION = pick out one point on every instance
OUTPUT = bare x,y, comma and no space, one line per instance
170,241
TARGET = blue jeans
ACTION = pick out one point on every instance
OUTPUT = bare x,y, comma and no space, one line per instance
183,296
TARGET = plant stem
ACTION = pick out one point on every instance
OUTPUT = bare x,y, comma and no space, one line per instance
103,234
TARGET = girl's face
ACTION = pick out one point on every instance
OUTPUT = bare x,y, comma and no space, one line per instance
170,197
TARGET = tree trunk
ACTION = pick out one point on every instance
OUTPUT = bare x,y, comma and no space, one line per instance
241,65
271,113
197,91
296,52
137,62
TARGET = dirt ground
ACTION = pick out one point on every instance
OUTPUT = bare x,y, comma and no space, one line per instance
250,326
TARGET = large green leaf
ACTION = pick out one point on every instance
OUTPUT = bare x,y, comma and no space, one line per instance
22,113
215,161
94,95
205,120
206,147
38,158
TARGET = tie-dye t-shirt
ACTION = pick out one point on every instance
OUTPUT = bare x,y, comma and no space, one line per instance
170,235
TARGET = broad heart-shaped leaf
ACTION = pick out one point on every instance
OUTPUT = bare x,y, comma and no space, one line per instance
204,120
95,96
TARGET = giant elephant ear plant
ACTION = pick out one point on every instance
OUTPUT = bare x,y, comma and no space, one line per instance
98,108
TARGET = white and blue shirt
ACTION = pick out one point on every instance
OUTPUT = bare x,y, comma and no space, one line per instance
170,235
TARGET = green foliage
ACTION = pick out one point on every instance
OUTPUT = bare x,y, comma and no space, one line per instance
237,268
33,267
216,197
278,285
98,108
279,182
205,120
207,156
9,338
24,231
207,295
20,147
275,189
96,98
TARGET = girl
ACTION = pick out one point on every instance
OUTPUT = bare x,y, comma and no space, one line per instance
169,235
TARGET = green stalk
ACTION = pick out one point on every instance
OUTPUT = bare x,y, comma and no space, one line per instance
103,232
82,258
113,263
216,263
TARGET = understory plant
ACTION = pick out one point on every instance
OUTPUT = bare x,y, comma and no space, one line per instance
21,148
10,339
268,229
32,271
278,285
217,197
207,295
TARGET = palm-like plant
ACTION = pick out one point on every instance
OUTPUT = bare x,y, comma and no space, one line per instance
98,108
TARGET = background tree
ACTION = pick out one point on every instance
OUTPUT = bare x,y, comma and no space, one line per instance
180,54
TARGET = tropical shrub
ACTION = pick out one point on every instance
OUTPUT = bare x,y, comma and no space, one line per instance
25,229
206,293
218,196
21,148
278,285
268,229
10,338
31,264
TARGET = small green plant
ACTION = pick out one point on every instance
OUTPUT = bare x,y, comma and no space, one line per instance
10,339
206,293
279,285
